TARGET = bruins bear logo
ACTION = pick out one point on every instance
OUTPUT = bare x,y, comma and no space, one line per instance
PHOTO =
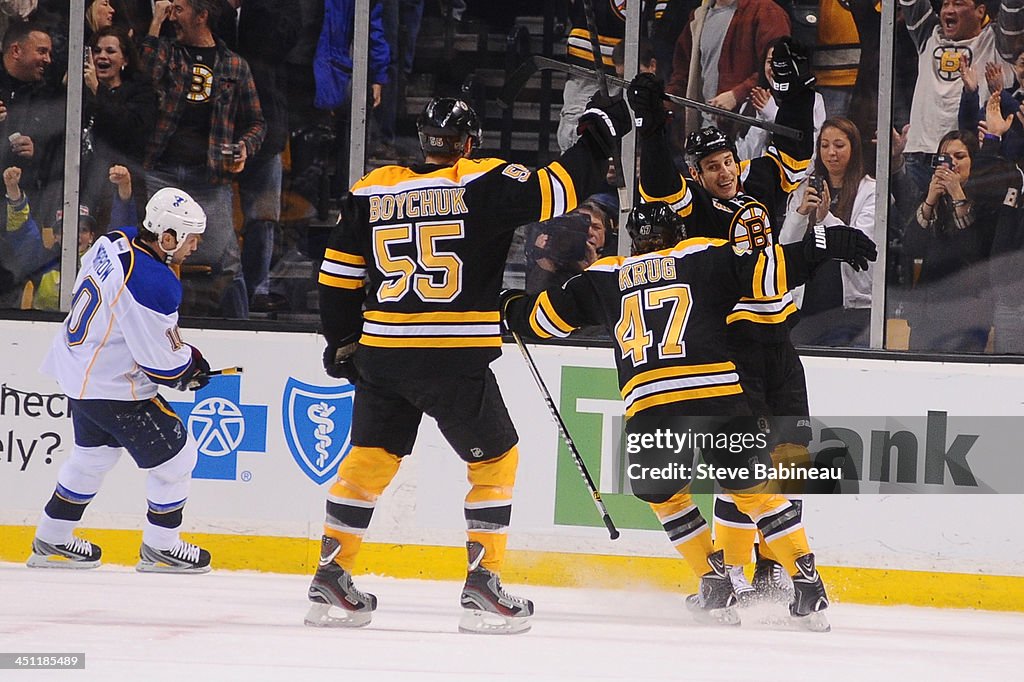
751,229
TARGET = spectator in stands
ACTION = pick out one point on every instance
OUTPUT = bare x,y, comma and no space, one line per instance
1007,258
610,18
98,14
119,113
836,305
836,56
32,128
961,27
563,247
646,63
762,105
262,32
22,252
42,292
970,198
971,113
209,125
718,56
332,70
401,28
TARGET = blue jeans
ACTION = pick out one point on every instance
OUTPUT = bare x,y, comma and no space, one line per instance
401,28
259,191
218,247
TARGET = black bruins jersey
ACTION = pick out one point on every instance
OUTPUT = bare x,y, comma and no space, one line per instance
610,17
414,267
666,312
745,220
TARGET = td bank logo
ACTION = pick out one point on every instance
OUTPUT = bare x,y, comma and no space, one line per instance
592,409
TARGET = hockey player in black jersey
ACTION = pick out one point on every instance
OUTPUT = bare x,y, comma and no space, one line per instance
409,306
665,307
739,200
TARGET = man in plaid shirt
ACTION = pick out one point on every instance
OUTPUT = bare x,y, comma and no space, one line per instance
209,123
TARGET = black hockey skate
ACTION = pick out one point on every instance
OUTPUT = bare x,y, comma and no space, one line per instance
76,553
715,603
490,610
809,601
771,584
332,587
184,557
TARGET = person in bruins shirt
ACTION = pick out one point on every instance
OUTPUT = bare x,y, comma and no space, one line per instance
408,298
666,309
740,201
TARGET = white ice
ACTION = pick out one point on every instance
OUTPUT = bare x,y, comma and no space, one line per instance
248,626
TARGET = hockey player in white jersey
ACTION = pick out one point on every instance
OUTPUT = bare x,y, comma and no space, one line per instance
118,342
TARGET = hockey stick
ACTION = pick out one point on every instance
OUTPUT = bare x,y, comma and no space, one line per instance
602,80
517,81
613,532
214,373
225,370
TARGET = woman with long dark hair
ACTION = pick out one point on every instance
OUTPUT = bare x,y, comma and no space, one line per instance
951,234
836,306
119,115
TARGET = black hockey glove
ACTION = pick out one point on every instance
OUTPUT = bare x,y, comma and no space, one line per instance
645,93
338,362
506,297
198,374
791,69
839,243
567,240
606,120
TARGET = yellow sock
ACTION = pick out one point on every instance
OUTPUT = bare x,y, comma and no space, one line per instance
686,529
780,523
362,477
488,506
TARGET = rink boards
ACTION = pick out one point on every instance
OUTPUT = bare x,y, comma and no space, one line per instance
271,438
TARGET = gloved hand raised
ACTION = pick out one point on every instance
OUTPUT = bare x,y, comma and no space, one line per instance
839,242
791,69
607,120
645,93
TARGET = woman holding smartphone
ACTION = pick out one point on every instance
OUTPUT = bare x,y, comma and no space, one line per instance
835,309
970,195
119,115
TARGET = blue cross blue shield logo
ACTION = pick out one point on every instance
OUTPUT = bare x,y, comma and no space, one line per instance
317,426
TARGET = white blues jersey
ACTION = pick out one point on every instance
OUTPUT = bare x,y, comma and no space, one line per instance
121,335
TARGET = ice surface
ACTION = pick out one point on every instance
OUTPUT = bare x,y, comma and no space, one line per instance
248,626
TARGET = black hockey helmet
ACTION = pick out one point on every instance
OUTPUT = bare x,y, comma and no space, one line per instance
702,143
654,226
445,124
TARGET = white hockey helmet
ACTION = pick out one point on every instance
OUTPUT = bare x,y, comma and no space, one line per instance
172,210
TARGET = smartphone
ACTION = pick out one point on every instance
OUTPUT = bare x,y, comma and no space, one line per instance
232,150
817,182
88,54
942,160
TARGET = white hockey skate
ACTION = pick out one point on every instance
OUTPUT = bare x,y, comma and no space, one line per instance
744,591
489,609
336,601
184,557
76,553
771,584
